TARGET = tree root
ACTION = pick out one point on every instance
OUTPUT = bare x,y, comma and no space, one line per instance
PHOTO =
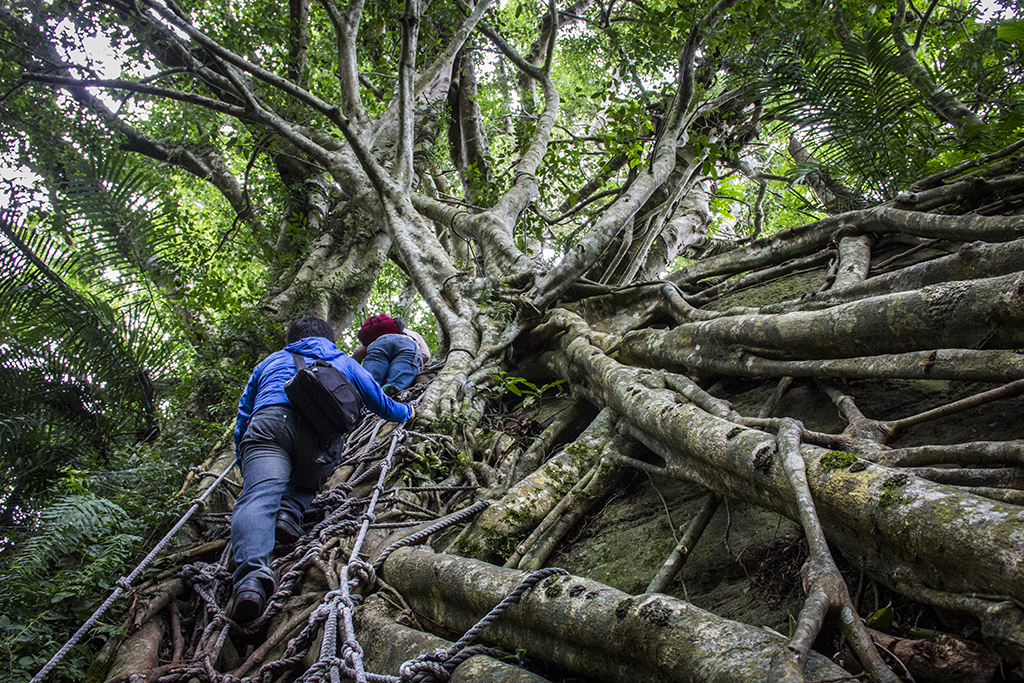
976,453
860,427
293,620
387,645
585,626
139,653
577,503
692,534
826,590
776,396
496,531
988,478
534,455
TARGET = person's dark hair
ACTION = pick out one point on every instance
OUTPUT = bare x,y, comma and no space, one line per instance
310,327
400,324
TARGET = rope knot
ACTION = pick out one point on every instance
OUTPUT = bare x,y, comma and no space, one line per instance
363,572
123,583
351,652
426,667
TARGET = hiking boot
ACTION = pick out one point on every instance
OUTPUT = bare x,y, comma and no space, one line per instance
248,601
391,390
287,529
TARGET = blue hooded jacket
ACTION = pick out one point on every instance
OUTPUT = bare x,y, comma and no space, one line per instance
266,385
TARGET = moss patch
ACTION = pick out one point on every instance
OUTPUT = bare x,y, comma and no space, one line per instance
837,460
552,587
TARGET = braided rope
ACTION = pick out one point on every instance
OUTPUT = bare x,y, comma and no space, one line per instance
342,659
435,488
415,507
367,518
420,535
124,583
340,603
423,668
526,584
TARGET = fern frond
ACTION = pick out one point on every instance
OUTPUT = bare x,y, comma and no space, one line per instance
65,526
129,223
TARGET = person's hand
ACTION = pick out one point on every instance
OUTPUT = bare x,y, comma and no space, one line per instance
413,416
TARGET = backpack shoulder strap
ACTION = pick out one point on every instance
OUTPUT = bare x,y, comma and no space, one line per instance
299,360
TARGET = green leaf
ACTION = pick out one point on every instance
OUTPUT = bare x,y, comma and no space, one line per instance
882,619
1011,31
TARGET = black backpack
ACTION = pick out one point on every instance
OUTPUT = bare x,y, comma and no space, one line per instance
325,397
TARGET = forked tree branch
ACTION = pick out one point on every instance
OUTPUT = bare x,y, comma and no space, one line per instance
346,30
585,254
268,77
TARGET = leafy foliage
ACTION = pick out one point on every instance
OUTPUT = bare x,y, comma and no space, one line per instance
868,124
521,388
89,531
129,297
77,365
97,321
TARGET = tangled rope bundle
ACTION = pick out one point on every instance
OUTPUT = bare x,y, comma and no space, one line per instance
341,655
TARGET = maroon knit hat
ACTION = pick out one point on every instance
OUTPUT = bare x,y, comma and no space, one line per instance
376,326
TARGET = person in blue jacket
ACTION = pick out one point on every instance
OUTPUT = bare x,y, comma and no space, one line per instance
271,437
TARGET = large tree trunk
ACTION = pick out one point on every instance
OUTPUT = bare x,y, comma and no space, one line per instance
854,381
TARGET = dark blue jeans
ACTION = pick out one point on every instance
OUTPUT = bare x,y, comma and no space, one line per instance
393,359
275,436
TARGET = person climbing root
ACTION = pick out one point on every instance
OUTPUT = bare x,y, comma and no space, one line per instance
390,352
280,456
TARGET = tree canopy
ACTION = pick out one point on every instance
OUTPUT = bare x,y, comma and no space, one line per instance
652,207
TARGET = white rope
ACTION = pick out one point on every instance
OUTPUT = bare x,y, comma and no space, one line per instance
124,583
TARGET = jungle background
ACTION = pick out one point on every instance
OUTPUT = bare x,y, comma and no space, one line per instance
638,235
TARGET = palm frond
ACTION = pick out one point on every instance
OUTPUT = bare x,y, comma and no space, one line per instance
74,349
129,223
864,123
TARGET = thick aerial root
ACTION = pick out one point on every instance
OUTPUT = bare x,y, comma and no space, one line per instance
534,551
975,453
854,261
884,336
495,533
588,627
154,600
387,645
543,442
826,590
139,653
753,279
868,511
